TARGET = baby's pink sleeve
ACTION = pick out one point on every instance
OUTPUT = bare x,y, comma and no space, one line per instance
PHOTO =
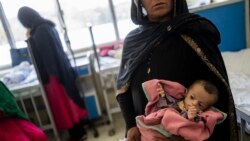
171,88
174,89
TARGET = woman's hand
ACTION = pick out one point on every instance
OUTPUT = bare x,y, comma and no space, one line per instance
28,32
172,138
133,134
176,138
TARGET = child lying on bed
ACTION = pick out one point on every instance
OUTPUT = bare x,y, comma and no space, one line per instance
14,125
173,109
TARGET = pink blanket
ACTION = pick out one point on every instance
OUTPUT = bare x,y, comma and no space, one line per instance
161,123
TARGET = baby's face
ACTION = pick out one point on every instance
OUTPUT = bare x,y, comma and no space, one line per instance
199,98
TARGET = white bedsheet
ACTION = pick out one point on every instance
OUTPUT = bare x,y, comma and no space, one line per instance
238,68
20,75
240,86
238,62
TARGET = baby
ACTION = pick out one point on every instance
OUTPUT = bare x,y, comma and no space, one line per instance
173,109
200,96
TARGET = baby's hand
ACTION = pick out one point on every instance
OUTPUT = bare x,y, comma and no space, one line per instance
192,112
160,90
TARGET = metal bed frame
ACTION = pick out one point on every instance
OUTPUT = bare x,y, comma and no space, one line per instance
244,117
32,91
111,74
107,73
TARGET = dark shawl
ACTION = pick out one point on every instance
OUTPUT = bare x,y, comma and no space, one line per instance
198,32
48,52
140,41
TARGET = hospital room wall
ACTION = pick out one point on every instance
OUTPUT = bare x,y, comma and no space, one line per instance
231,22
247,21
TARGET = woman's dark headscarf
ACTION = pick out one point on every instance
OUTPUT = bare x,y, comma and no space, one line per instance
140,41
138,17
30,18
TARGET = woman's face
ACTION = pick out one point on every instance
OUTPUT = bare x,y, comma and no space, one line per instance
158,10
28,32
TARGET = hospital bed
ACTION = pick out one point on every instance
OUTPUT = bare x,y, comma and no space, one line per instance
32,98
22,81
238,68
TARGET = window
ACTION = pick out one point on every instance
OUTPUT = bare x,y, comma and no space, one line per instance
4,46
78,17
122,11
45,7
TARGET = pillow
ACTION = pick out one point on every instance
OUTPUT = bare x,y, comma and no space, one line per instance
238,61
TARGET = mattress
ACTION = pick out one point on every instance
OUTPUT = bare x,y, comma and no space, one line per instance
238,68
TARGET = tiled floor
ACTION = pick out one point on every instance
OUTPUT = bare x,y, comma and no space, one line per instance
105,129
